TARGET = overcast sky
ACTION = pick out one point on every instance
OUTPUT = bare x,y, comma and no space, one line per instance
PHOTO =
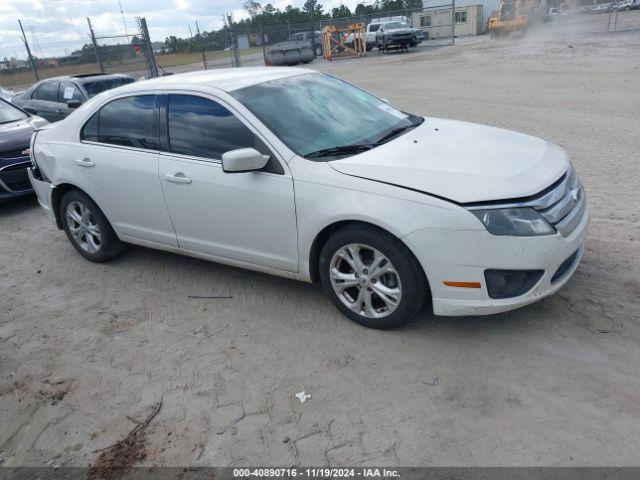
56,26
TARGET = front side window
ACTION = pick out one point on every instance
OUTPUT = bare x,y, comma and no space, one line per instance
48,92
200,127
314,113
128,122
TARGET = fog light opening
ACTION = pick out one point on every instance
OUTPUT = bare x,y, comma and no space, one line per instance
510,283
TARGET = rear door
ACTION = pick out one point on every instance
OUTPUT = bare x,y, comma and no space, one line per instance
117,165
247,217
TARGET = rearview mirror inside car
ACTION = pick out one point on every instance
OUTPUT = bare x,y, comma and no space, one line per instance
74,103
243,160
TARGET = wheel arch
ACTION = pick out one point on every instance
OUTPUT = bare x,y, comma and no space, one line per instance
324,235
56,198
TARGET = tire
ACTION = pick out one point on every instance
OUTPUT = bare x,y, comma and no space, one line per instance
318,50
101,245
404,284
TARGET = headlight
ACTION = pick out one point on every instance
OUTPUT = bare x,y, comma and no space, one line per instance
521,222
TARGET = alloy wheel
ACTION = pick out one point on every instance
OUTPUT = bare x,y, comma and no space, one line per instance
365,280
83,227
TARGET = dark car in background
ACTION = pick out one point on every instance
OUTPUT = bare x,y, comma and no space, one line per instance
16,127
395,35
313,40
55,98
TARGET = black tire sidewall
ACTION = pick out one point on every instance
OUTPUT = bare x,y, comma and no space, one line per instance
414,284
110,247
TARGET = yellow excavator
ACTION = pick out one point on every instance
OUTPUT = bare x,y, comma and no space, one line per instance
513,16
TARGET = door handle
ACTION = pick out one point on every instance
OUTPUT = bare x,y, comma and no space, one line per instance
85,162
177,178
59,110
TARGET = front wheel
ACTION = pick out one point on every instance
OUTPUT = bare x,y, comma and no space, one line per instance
87,228
372,277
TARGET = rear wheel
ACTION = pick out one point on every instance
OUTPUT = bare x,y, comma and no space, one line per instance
372,277
87,228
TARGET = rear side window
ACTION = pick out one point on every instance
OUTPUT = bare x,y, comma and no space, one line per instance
203,128
95,87
130,122
48,92
68,91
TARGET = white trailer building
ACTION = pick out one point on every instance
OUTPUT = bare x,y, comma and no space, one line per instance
436,21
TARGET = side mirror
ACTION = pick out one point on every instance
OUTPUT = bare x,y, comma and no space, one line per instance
243,160
74,103
30,110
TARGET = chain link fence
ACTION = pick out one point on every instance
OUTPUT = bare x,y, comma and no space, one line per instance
254,42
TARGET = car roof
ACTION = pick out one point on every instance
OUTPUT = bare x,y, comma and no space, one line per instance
226,79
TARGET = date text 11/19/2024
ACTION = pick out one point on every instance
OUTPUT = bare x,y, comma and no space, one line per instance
315,473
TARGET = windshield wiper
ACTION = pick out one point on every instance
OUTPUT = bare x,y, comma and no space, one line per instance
340,150
395,132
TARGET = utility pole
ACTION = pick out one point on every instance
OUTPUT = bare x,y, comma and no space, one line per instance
313,31
124,24
204,60
233,41
453,22
148,48
262,41
95,46
32,61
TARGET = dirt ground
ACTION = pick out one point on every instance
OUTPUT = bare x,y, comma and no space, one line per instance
83,346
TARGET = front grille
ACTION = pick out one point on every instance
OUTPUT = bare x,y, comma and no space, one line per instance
15,178
15,154
564,206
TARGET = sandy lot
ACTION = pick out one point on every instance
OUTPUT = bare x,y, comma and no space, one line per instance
83,346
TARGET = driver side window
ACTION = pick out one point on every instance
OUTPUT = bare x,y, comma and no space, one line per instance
200,127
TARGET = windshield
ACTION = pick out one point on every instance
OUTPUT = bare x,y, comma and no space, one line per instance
9,113
315,112
98,86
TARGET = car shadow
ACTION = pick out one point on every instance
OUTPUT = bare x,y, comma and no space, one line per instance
425,323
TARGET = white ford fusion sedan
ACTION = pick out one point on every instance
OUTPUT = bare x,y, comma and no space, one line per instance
300,174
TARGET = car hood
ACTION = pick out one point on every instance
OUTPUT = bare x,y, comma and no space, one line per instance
17,135
462,162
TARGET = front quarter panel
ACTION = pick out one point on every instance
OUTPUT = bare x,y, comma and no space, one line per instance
325,196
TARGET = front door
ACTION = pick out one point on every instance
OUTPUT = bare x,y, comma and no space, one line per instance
248,217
